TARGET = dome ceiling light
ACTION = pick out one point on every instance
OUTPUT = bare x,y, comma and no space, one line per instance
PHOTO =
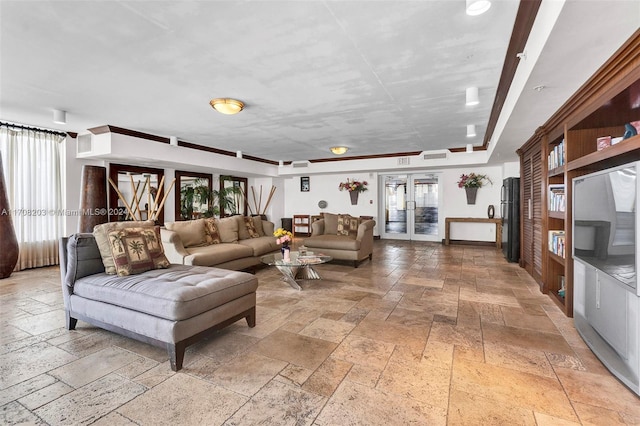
227,105
339,150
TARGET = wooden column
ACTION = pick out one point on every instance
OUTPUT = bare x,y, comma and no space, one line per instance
93,201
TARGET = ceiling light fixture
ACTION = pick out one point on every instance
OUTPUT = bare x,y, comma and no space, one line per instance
472,96
471,130
339,150
477,7
227,105
59,117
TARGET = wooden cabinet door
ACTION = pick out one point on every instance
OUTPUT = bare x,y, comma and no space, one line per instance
531,212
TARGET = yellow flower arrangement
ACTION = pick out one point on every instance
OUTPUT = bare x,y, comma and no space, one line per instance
283,236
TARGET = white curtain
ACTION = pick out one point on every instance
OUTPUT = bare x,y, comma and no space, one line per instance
32,167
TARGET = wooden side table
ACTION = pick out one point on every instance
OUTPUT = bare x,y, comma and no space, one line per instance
497,221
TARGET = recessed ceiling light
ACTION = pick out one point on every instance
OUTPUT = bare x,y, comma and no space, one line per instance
471,130
59,117
339,150
477,7
227,105
472,96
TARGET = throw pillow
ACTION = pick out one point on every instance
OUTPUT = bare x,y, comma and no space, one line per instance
101,234
348,225
251,229
191,232
136,250
330,223
257,223
211,234
228,229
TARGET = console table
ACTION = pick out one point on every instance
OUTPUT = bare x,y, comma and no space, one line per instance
498,223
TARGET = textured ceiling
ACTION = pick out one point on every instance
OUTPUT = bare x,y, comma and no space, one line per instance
376,76
380,77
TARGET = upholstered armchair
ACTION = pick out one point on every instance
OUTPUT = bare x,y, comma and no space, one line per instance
342,237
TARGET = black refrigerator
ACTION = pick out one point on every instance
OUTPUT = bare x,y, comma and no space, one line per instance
510,213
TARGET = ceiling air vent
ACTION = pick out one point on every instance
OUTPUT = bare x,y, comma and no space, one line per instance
300,164
404,161
84,144
439,156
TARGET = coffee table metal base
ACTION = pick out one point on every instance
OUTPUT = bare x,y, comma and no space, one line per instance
291,274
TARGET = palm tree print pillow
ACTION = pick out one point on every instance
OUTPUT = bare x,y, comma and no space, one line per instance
136,250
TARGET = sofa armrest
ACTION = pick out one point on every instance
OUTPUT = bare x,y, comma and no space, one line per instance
173,248
365,230
317,227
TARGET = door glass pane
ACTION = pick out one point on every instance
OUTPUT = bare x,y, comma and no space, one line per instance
395,188
426,202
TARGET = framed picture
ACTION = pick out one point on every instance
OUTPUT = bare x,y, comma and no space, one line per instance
304,184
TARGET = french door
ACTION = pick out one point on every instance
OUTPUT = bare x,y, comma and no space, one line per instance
410,208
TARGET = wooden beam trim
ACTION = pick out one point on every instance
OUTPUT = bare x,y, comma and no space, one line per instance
127,132
525,17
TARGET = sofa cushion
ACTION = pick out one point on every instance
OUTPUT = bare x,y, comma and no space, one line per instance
101,234
211,234
228,229
137,250
348,226
217,253
191,232
261,245
330,223
177,293
336,242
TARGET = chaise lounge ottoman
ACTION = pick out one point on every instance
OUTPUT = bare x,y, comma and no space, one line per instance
170,308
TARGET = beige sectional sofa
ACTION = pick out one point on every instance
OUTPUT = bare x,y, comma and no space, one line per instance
235,242
342,237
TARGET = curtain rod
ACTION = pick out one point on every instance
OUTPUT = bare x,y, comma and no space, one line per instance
37,129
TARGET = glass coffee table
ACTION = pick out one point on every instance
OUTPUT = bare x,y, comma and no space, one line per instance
298,267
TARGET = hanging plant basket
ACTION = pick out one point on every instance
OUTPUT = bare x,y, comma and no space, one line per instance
471,195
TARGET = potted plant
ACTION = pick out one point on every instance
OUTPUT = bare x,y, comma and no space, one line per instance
471,183
354,187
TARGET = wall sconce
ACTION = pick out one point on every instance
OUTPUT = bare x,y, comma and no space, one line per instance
472,96
471,130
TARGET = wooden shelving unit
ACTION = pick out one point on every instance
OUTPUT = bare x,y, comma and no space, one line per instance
568,141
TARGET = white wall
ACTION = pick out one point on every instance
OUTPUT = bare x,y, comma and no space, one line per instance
289,200
72,180
455,204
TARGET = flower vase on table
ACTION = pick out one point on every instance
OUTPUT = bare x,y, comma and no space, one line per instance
284,237
286,253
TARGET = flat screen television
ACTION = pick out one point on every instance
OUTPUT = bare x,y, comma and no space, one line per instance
605,221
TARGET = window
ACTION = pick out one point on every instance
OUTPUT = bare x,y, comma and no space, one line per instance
32,166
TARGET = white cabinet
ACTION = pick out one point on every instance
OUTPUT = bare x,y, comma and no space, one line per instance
606,309
607,316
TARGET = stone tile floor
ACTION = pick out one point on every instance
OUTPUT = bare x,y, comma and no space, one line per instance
424,334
